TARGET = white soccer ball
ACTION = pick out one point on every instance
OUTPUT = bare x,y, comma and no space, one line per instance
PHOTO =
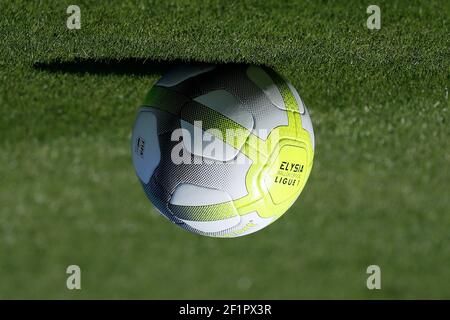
222,150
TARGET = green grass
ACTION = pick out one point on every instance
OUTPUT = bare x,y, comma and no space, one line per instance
378,193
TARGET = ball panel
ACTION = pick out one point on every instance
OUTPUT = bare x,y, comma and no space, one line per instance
192,195
213,227
249,223
285,177
301,107
145,145
266,84
228,106
215,124
227,176
204,144
212,212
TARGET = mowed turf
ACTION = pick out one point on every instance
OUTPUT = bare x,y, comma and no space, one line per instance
379,189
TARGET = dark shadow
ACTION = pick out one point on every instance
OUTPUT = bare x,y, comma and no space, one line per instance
127,66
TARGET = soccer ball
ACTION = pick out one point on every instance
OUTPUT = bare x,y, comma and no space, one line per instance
222,150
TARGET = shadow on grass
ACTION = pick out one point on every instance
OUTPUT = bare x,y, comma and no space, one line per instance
127,66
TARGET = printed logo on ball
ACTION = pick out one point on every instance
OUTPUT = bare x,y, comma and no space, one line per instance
140,146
